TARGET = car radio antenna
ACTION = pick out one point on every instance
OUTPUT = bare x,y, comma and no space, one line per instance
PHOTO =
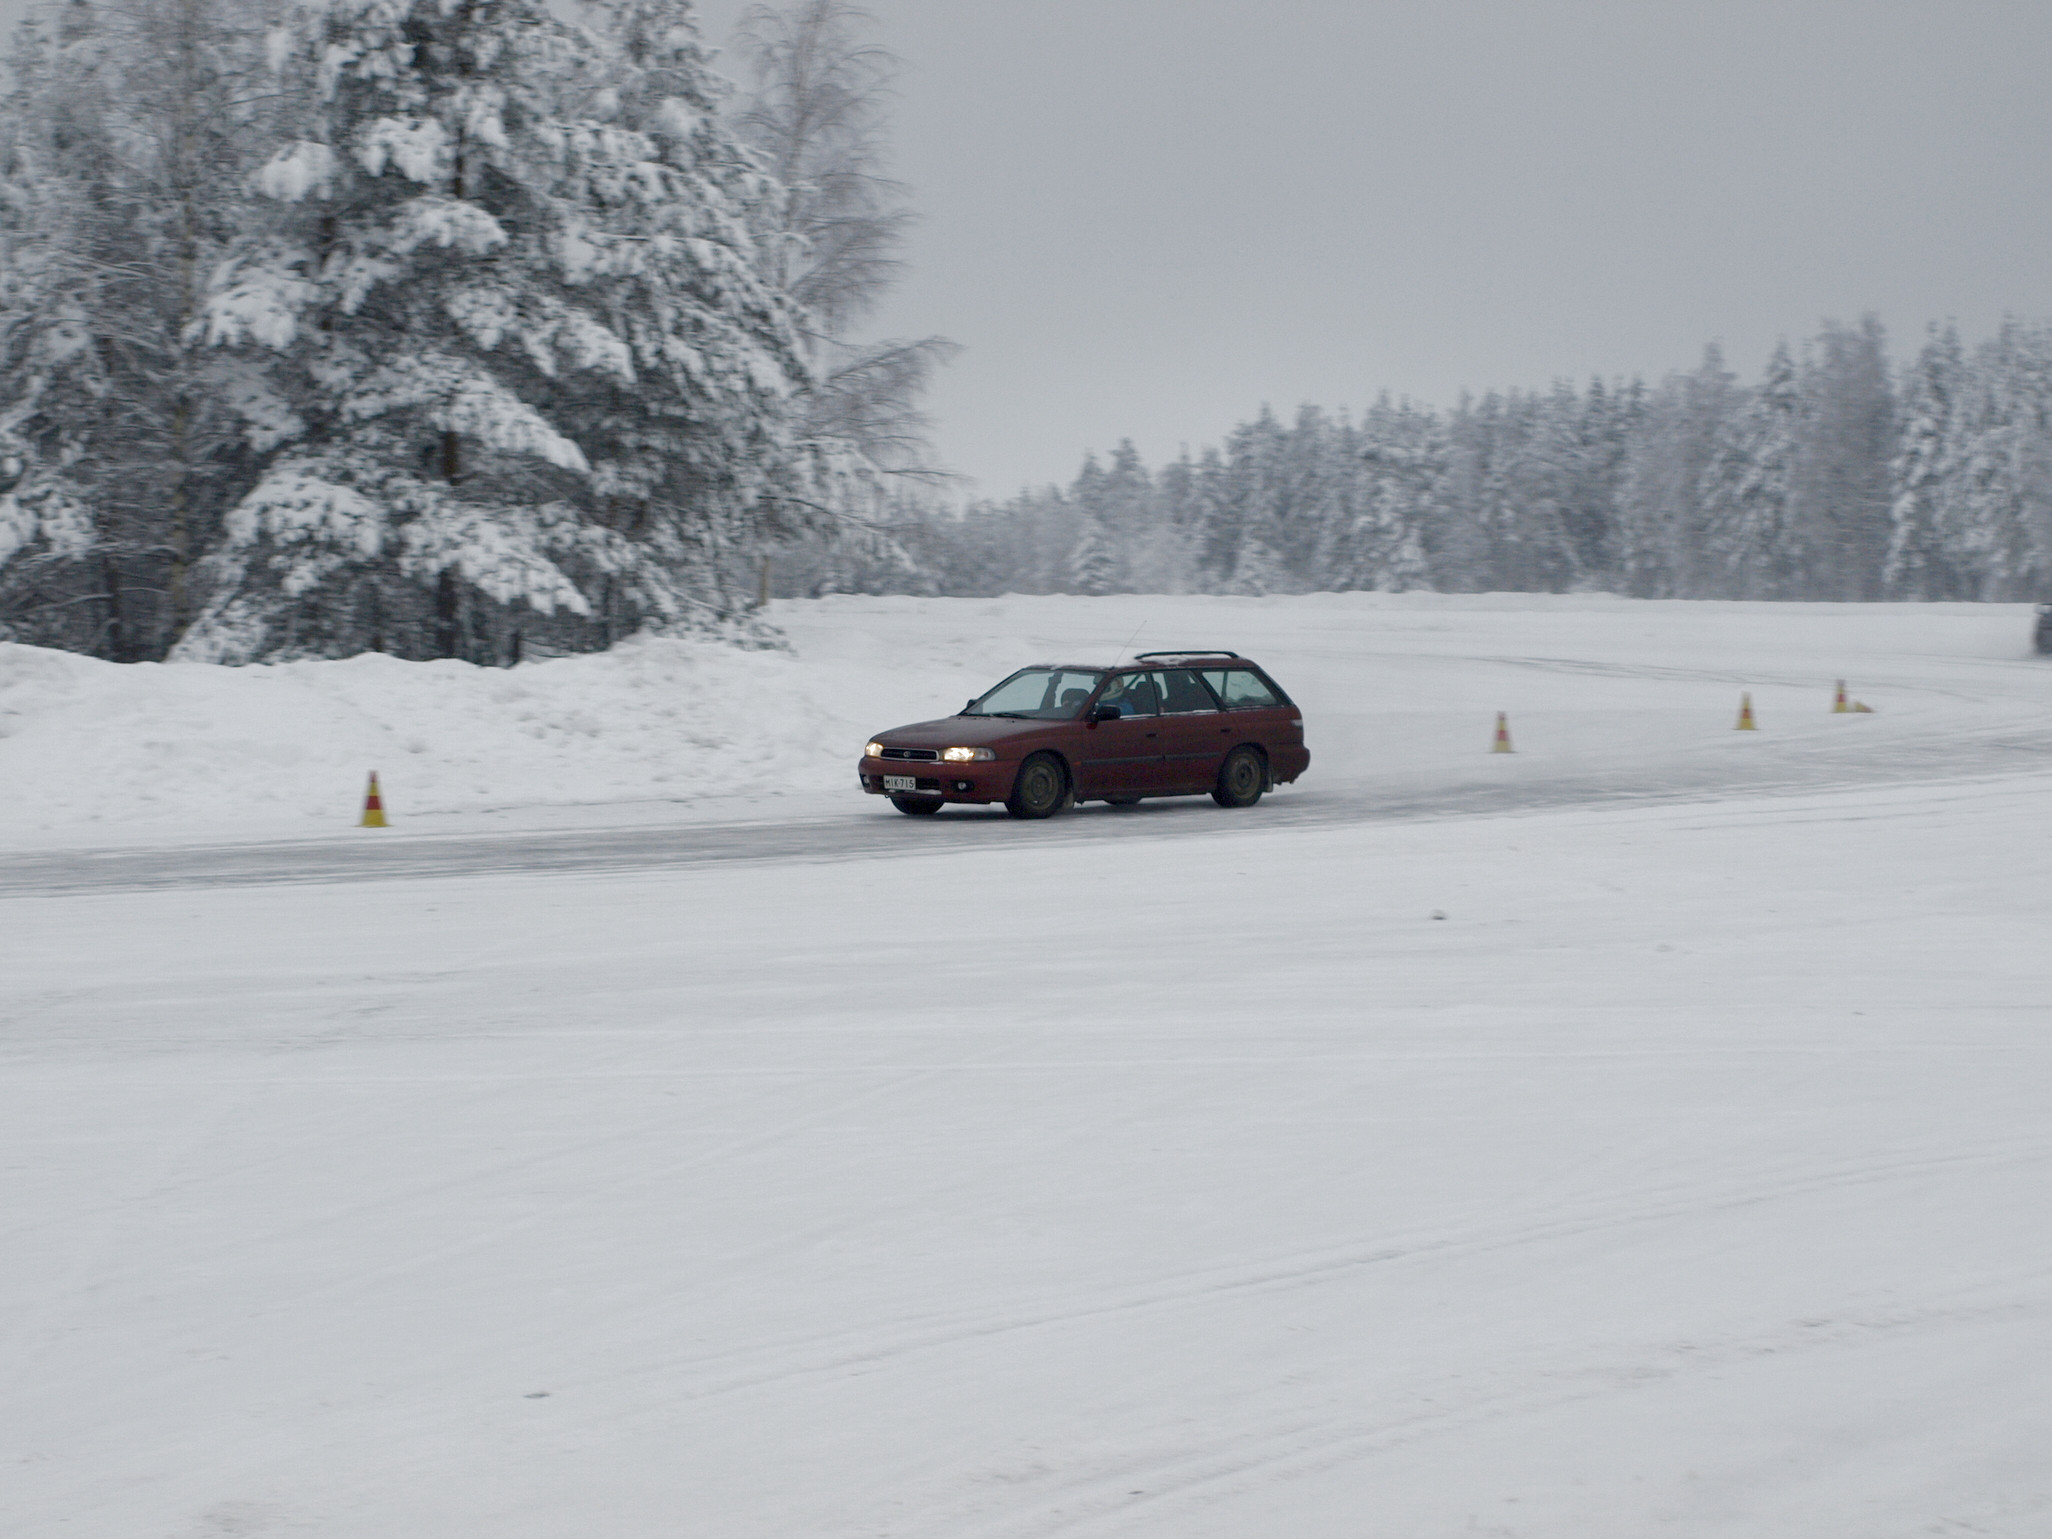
1129,641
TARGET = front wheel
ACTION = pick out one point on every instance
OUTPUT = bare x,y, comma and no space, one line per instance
1040,790
916,806
1241,779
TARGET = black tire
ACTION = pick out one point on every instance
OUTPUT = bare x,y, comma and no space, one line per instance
917,806
1041,789
1242,778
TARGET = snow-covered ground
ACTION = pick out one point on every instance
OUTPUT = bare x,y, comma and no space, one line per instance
1401,692
1690,1176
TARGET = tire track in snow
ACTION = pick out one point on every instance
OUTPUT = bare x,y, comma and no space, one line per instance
1107,1499
744,1369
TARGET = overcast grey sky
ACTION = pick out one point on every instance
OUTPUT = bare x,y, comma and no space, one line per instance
1144,218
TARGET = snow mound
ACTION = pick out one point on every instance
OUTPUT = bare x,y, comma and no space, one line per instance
147,750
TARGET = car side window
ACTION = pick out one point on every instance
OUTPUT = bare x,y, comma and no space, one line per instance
1132,694
1240,688
1182,692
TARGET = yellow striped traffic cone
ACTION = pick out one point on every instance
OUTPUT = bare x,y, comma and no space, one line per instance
1502,744
1839,706
1745,721
373,806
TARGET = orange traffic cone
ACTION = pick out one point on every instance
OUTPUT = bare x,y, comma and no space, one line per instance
1502,744
373,806
1839,705
1745,721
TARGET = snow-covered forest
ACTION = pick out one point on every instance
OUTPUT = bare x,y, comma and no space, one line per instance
445,328
454,328
1833,477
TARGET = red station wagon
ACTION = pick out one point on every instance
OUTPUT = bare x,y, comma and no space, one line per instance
1166,724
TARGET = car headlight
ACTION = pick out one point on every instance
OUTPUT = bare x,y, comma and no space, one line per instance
873,751
967,755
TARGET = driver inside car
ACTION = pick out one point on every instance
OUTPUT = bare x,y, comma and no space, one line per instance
1131,694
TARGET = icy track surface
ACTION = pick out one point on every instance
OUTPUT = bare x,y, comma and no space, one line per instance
665,753
1175,1173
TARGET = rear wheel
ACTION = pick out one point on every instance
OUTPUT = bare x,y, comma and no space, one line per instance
1041,789
916,806
1241,779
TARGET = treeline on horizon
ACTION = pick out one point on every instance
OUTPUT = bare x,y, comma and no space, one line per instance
1830,478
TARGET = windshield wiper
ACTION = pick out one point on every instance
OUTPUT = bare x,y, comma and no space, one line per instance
1016,715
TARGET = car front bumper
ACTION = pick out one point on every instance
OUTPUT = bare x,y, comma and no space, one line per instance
990,781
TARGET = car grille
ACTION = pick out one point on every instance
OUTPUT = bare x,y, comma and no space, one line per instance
927,755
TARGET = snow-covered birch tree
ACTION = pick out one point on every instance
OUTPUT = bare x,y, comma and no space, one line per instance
815,111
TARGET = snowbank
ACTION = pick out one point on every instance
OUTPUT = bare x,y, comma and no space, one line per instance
1401,691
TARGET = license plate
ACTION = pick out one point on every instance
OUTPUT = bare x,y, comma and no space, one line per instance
901,783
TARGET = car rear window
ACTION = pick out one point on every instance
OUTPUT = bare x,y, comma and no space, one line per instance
1242,689
1182,693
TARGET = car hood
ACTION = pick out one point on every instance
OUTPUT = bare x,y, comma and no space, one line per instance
964,732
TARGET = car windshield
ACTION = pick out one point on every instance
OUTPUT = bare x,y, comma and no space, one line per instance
1042,694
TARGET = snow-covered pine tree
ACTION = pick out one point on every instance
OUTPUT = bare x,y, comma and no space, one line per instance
1549,481
1489,538
1184,515
1839,486
123,147
1458,549
1093,566
1660,506
1919,564
1998,497
526,371
1248,507
1155,559
1608,421
1752,547
1379,544
1202,505
1260,571
1313,477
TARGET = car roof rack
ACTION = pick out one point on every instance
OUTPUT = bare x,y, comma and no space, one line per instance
1141,657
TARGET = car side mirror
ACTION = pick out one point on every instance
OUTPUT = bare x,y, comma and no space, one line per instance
1106,713
968,705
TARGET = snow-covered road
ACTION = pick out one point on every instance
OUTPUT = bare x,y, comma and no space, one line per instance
1167,1173
870,830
